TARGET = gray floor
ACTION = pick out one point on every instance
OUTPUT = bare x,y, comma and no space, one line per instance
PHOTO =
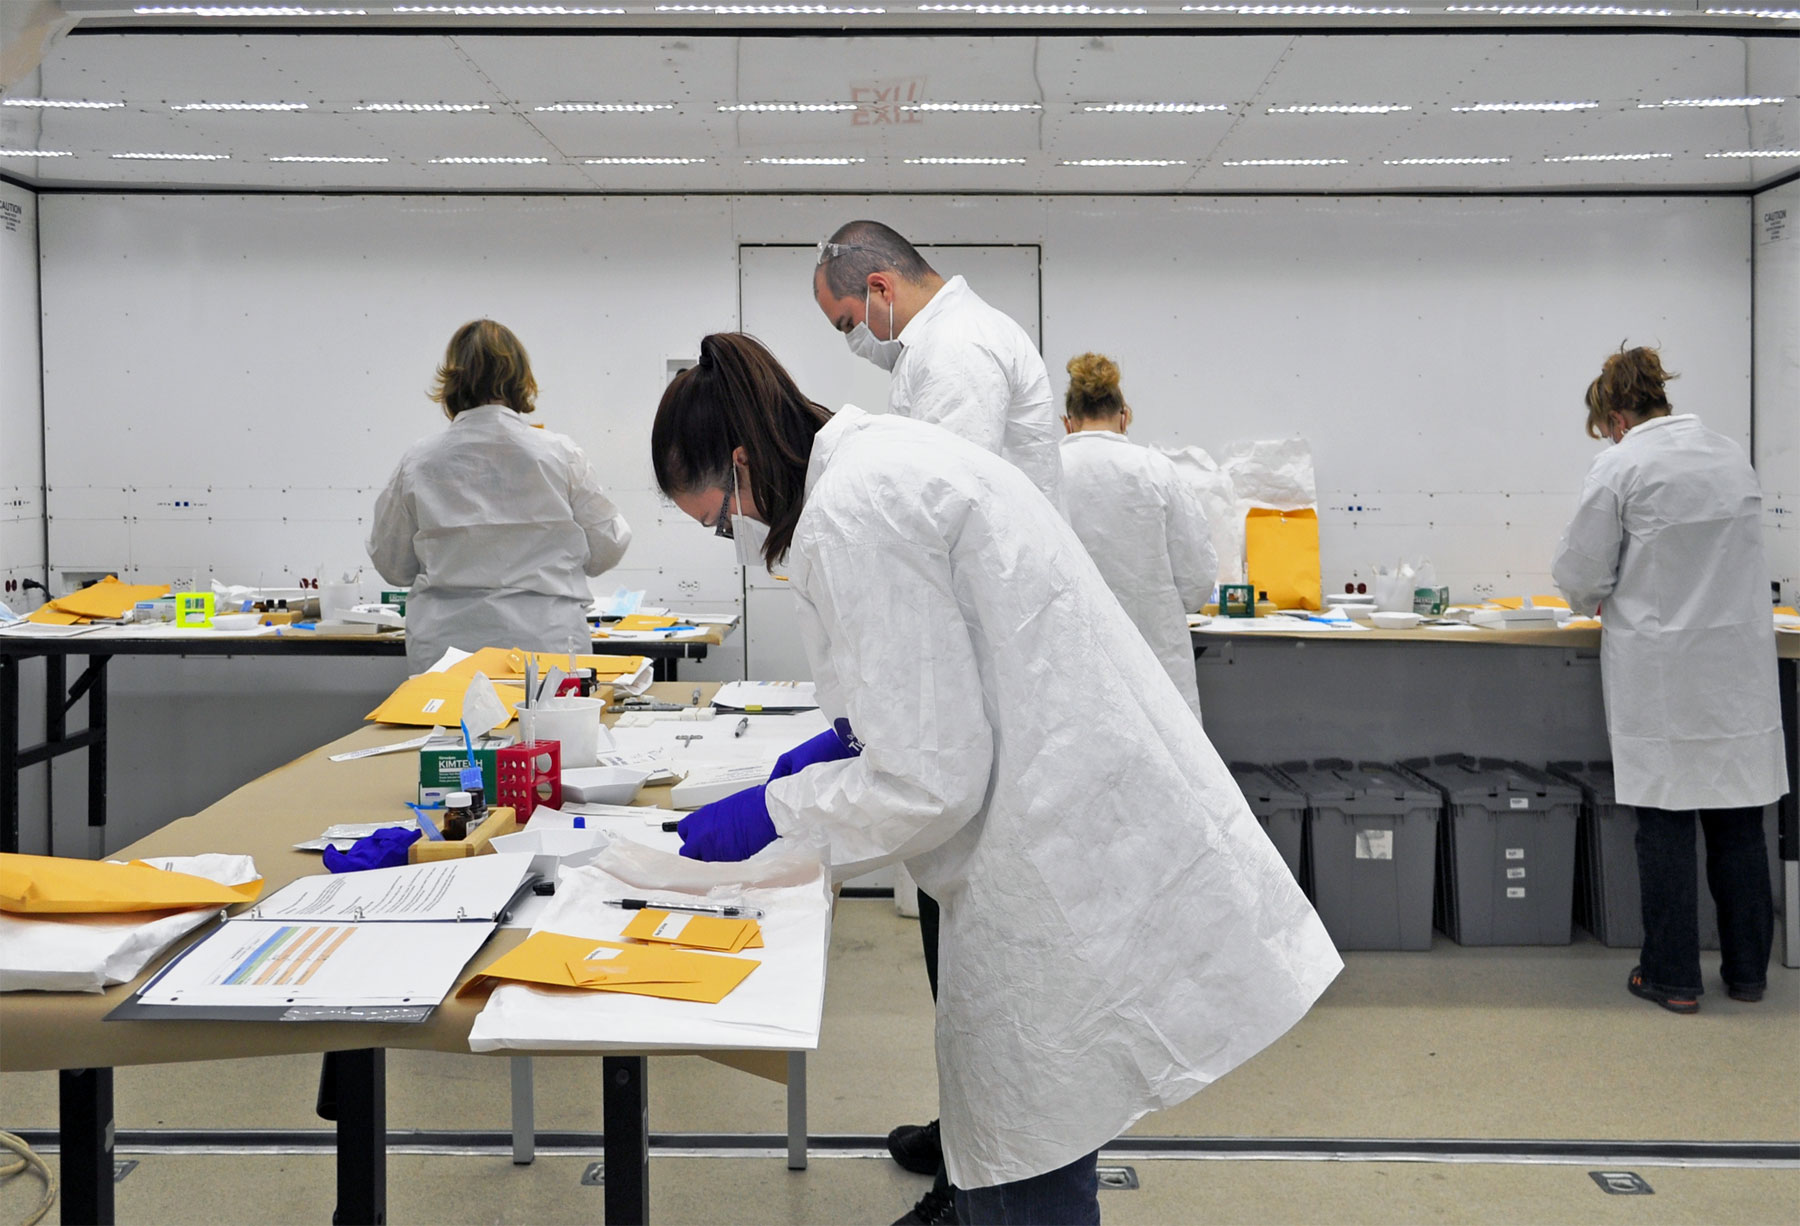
1455,1043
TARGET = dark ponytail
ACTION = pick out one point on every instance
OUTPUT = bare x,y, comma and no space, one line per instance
738,396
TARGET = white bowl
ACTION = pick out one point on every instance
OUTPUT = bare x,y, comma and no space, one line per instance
602,785
236,621
1396,621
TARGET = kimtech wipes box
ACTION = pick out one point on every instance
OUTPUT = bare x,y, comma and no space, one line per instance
442,758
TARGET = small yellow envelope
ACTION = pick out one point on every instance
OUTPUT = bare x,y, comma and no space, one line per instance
50,615
555,959
714,932
641,621
50,885
108,598
509,663
436,700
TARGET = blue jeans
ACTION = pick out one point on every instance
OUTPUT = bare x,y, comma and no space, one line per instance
1067,1196
1737,872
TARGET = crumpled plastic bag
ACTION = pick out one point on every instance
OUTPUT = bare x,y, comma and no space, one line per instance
1394,589
1274,473
482,708
1217,499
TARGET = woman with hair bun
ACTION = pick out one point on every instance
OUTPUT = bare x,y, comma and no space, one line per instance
1140,521
1666,544
496,526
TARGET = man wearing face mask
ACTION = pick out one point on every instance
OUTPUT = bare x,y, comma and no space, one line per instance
956,361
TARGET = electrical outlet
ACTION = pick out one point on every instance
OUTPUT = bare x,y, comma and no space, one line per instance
1482,590
688,587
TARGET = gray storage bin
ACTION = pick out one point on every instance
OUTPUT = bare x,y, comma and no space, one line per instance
1371,837
1607,902
1279,805
1506,851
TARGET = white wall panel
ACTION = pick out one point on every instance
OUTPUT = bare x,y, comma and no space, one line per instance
1775,223
21,404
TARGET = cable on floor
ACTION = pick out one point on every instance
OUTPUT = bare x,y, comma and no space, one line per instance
28,1160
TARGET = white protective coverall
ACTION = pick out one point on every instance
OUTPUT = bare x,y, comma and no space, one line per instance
972,370
495,525
1143,526
1117,930
1667,542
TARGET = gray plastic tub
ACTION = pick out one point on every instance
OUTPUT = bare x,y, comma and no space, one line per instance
1279,805
1372,831
1506,851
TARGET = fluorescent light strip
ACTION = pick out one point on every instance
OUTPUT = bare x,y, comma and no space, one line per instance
809,161
1558,10
964,161
1772,14
986,107
239,106
645,161
634,108
1153,108
300,157
505,10
172,157
1651,106
415,107
1525,106
1609,157
763,10
1122,162
242,10
1288,162
1340,108
759,108
488,161
57,104
1444,161
1296,10
64,153
1757,153
1034,10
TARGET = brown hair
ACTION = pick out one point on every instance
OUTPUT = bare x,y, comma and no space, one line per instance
484,364
1630,383
738,396
1093,388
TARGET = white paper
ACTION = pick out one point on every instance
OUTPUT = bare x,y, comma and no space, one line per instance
343,835
451,658
375,751
477,887
715,741
769,695
42,630
1272,625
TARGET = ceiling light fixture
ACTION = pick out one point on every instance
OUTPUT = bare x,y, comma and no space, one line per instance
808,161
1558,10
1296,10
242,10
1771,14
786,107
172,157
1525,106
634,108
307,157
61,104
764,10
1651,106
1153,108
415,107
506,10
238,106
1341,108
64,153
1757,153
1035,10
1288,162
941,161
1122,162
1609,157
484,161
972,107
1444,161
644,161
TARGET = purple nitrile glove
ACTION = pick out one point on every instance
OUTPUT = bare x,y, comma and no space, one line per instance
735,828
832,745
386,848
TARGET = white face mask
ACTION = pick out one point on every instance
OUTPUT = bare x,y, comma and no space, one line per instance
866,345
750,536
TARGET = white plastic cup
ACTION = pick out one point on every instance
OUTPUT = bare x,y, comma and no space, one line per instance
335,600
575,722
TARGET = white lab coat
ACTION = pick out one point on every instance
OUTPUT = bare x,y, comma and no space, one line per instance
495,525
1667,542
1143,526
972,370
1117,930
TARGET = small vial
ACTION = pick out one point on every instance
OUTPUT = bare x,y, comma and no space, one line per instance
585,677
456,816
473,784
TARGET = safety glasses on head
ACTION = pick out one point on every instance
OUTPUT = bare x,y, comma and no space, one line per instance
829,250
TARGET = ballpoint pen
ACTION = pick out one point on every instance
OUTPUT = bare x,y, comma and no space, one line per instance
743,726
698,908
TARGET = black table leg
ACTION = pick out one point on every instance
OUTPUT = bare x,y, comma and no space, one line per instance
625,1112
96,754
85,1107
359,1099
9,754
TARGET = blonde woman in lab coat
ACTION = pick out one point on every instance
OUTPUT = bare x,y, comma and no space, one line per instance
1142,524
1117,929
1666,544
496,525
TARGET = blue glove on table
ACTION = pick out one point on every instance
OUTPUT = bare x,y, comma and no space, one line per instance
386,848
832,745
735,828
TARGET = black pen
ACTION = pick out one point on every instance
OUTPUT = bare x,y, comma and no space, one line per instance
701,908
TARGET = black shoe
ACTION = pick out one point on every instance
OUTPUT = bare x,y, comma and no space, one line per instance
916,1147
935,1208
1744,992
1638,986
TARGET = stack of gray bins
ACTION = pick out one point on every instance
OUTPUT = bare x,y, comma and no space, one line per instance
1371,835
1506,851
1279,805
1607,902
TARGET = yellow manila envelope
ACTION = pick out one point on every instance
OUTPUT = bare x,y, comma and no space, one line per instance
555,959
108,598
509,663
715,932
436,700
640,621
1281,556
58,885
50,615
